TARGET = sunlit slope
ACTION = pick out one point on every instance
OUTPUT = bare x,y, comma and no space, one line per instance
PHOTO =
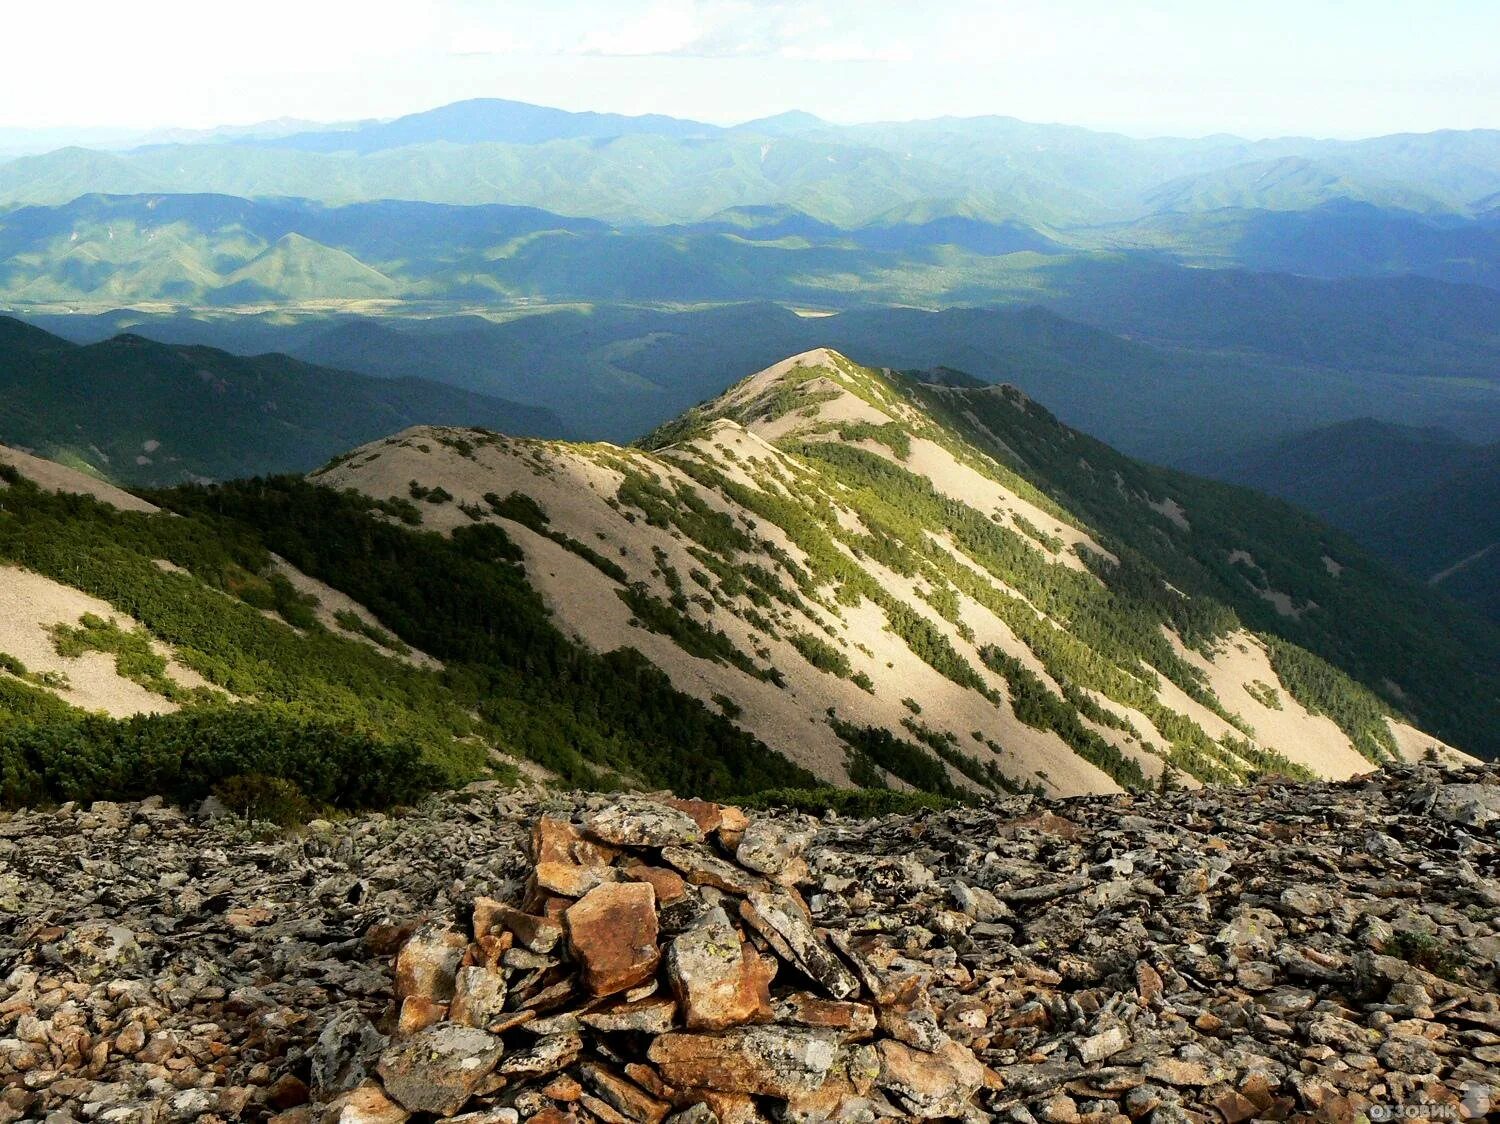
865,572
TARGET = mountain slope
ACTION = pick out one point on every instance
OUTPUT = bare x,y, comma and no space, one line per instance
1421,498
1448,533
1287,184
144,412
1292,352
297,268
828,574
1334,470
857,567
146,651
1339,238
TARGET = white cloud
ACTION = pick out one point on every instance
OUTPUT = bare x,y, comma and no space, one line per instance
1160,65
707,28
662,28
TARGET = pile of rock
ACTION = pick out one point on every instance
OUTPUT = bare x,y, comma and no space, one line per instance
1280,951
661,964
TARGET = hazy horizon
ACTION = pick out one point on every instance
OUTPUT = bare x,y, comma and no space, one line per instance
105,134
1170,68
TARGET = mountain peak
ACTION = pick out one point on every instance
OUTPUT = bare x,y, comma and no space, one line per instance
784,124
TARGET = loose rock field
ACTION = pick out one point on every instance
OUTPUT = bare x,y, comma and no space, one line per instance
1278,952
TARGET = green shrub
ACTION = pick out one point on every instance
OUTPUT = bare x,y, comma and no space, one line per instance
134,657
185,755
821,654
350,621
258,797
859,803
1426,952
897,756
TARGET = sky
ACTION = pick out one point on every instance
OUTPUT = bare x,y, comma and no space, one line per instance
1173,67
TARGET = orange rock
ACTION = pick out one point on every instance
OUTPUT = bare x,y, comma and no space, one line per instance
823,1103
668,884
484,914
765,1061
367,1104
602,1111
562,1088
1148,984
552,840
418,1013
487,951
648,1079
733,819
1048,823
729,1108
535,933
1258,1091
612,934
386,940
570,879
712,974
428,962
853,1021
559,841
763,969
552,905
625,1097
248,917
1235,1107
706,814
288,1092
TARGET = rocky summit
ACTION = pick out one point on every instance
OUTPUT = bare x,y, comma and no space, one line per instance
1275,952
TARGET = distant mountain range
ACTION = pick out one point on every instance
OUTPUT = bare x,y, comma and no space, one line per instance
140,412
1163,362
664,169
101,252
482,121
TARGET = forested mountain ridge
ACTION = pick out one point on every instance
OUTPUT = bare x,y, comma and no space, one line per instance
829,575
142,412
830,536
167,650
